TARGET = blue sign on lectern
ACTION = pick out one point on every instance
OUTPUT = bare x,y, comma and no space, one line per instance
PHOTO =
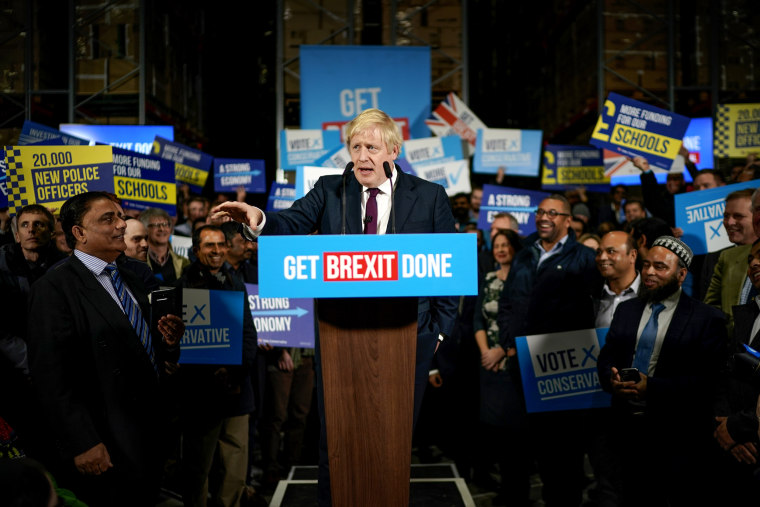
368,266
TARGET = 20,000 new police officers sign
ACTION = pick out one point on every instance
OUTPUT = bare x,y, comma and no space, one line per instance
49,175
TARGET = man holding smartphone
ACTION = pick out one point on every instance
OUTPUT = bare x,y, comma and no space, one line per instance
662,417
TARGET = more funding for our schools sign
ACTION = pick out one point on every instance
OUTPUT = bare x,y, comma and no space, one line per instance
387,265
558,370
191,166
49,175
231,173
634,129
143,181
213,327
519,203
282,322
700,216
572,165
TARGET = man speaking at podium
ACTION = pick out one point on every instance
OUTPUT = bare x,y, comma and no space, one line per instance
360,202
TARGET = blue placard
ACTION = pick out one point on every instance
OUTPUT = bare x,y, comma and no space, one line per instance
332,90
307,176
519,203
191,166
699,141
32,133
282,322
336,157
137,138
517,151
432,150
558,370
634,129
144,181
569,166
281,196
368,265
213,327
231,173
700,216
305,147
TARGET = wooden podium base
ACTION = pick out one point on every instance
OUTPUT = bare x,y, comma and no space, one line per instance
368,348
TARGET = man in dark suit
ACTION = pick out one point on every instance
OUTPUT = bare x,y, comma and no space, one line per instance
418,207
737,431
662,424
95,365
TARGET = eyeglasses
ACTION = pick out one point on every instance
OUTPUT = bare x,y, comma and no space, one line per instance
159,225
552,213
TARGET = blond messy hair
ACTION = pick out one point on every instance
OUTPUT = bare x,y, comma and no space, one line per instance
370,119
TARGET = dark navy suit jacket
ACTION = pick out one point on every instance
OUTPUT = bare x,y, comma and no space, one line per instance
421,207
679,394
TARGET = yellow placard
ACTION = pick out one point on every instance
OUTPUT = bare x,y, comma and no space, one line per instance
641,140
737,130
141,190
49,175
190,175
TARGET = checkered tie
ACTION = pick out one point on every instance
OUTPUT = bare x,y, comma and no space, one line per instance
132,310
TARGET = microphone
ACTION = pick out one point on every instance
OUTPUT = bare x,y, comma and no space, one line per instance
367,219
347,170
388,174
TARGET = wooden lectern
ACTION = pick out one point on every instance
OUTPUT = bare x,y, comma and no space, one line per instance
368,348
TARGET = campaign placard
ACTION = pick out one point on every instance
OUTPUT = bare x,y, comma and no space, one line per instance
305,147
452,117
231,173
453,176
282,322
307,176
213,327
191,166
517,151
337,157
281,196
519,203
32,133
558,370
49,175
700,216
432,150
143,181
402,123
635,129
3,181
137,138
359,265
182,245
333,91
698,140
737,130
567,166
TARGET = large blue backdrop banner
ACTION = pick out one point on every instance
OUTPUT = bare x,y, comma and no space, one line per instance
337,83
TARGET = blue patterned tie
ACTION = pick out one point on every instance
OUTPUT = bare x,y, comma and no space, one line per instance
132,310
646,342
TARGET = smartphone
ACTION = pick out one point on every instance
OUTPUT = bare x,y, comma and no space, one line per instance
630,375
164,302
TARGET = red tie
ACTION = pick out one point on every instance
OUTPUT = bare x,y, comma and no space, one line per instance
370,216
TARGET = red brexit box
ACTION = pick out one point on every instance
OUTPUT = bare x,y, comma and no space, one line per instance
360,266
